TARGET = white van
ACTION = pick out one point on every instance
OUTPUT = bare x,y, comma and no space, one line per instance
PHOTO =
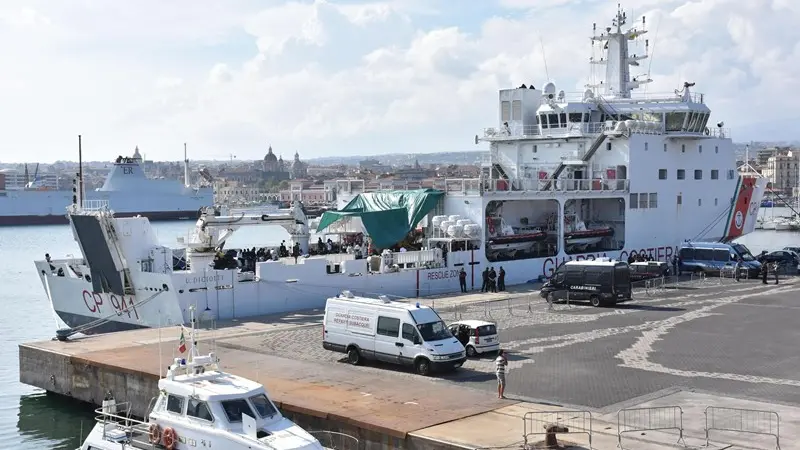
389,331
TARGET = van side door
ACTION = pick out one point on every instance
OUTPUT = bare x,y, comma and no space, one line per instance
412,344
387,339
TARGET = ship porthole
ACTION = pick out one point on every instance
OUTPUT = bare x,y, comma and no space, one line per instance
165,287
180,291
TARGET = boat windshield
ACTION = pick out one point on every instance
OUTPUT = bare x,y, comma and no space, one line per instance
235,408
263,406
743,252
434,331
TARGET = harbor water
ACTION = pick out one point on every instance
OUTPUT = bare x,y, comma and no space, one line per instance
31,419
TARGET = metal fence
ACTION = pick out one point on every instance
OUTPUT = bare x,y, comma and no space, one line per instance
751,421
650,419
535,423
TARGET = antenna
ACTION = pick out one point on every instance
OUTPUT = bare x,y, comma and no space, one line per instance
160,354
80,173
652,53
544,57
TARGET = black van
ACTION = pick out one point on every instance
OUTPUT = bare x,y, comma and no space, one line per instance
602,282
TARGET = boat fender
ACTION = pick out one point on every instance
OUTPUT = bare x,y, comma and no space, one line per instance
707,131
170,438
155,433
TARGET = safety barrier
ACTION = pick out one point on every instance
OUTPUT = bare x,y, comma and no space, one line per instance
576,422
751,421
650,419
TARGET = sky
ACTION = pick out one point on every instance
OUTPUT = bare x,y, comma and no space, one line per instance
330,77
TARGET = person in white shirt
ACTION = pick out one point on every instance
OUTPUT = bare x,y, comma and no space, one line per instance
500,370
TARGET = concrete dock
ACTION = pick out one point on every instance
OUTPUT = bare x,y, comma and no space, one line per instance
668,355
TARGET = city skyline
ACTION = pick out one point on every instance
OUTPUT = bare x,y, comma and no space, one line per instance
354,78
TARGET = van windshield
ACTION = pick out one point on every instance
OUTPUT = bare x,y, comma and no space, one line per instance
743,252
434,331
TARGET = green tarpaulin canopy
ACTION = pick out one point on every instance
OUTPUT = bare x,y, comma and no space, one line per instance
387,216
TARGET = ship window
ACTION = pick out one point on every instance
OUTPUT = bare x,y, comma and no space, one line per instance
543,120
731,174
703,122
263,406
716,149
698,174
665,147
674,121
553,119
654,200
535,148
714,174
662,174
563,119
175,404
199,410
575,117
716,200
646,146
235,408
634,201
699,202
505,111
608,146
642,201
516,110
690,124
683,148
680,199
700,149
681,174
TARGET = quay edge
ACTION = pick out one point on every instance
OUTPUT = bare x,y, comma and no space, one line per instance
332,402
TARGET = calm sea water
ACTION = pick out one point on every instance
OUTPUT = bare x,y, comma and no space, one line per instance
31,419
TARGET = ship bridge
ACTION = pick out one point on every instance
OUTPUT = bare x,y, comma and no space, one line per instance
548,140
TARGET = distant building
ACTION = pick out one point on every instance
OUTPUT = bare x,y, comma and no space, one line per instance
273,168
373,165
309,193
782,171
299,169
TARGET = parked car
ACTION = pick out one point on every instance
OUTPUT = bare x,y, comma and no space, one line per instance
793,249
784,258
477,336
648,269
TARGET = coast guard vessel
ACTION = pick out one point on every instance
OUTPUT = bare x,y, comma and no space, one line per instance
604,173
127,190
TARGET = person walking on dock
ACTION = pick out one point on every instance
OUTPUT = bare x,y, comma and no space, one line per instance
500,370
737,268
492,279
501,280
764,272
485,276
462,279
775,268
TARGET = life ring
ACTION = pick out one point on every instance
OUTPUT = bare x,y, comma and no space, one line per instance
490,224
155,433
169,439
707,131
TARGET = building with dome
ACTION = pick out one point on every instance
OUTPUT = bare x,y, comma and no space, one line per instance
273,167
299,169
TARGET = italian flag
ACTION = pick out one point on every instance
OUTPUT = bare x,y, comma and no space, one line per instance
182,343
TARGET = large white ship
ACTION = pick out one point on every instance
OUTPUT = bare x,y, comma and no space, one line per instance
127,190
606,173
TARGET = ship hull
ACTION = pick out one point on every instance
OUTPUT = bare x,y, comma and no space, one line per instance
62,219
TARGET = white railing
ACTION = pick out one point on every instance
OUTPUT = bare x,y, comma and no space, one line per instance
474,186
416,259
338,258
95,205
583,129
635,97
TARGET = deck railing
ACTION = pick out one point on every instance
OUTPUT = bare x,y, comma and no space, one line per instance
474,186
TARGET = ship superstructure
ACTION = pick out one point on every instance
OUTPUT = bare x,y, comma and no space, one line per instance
605,173
127,190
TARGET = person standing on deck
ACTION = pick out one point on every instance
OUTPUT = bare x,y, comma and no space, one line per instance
501,280
462,279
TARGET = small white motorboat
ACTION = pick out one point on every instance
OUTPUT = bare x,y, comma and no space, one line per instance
200,406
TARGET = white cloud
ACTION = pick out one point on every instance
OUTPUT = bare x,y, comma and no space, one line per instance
332,77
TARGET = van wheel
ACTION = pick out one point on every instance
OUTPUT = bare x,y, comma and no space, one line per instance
353,356
423,367
471,352
595,300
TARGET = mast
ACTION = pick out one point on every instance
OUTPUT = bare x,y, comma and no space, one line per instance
185,166
80,173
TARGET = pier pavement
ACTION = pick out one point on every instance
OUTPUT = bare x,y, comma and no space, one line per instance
713,343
